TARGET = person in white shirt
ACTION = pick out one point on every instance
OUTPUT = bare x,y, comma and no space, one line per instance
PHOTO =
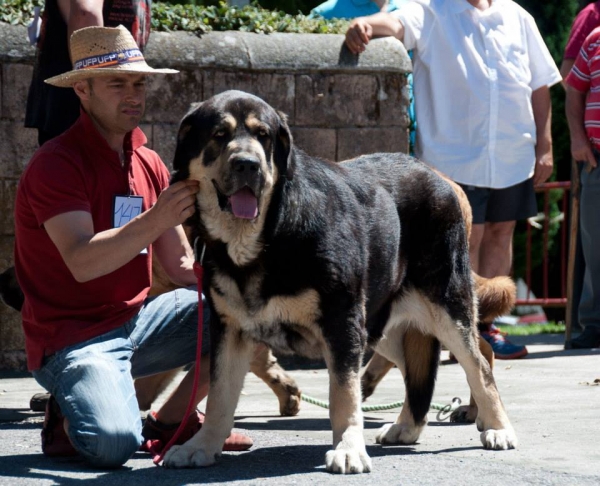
482,75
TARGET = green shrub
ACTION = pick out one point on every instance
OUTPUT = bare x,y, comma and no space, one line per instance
251,18
200,19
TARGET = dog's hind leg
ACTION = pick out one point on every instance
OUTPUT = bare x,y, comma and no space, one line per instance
417,357
376,369
230,361
467,414
461,340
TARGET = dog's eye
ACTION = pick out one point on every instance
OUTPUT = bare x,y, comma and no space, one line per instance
262,132
219,134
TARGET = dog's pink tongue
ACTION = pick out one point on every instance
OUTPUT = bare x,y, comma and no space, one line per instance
244,204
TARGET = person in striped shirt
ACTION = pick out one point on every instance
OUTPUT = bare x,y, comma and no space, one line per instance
583,116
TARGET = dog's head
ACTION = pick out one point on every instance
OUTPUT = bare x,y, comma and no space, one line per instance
237,147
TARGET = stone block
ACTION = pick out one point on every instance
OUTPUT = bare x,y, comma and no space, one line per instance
164,142
353,142
278,90
335,101
320,142
13,360
15,86
7,243
169,96
8,191
218,81
11,331
14,45
17,145
393,100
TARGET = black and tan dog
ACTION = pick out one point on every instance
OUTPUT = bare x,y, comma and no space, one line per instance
317,258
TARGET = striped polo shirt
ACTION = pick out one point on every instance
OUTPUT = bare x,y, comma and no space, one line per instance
585,77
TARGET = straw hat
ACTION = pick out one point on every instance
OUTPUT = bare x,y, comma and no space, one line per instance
102,51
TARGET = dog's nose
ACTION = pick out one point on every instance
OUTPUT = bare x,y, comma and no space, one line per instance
246,165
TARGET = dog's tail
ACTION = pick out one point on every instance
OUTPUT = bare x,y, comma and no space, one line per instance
496,296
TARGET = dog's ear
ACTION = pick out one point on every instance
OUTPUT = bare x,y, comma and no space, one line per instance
187,145
284,153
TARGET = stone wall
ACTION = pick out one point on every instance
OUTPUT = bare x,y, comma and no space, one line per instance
339,105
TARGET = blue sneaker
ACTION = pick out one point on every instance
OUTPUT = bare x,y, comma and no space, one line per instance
503,349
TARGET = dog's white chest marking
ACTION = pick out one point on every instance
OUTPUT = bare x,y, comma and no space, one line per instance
249,312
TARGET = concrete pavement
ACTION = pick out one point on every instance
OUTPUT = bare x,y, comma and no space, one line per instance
550,396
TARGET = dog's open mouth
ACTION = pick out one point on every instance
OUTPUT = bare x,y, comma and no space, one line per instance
242,203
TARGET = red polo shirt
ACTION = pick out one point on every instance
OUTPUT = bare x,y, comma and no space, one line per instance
78,171
586,21
585,77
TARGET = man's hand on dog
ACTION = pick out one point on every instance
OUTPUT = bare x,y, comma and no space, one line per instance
175,204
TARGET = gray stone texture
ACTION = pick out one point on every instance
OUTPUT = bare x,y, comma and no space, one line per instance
8,190
17,145
352,142
169,95
16,78
338,105
320,142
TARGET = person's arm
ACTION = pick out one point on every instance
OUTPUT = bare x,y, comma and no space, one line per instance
176,256
363,29
90,255
581,147
78,14
565,69
542,114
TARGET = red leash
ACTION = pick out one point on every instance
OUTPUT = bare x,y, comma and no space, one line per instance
158,457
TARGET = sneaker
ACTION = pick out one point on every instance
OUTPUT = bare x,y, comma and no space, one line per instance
589,338
39,401
55,442
157,435
503,349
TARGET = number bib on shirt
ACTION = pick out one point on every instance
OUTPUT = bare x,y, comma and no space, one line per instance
125,208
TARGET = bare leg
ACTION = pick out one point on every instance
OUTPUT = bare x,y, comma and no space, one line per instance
148,388
175,406
495,253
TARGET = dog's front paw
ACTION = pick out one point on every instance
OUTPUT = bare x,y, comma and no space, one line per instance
185,456
502,439
348,461
289,405
398,434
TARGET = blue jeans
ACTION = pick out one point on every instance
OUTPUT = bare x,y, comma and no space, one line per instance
589,221
93,381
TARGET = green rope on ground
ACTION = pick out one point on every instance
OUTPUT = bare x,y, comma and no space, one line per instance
449,408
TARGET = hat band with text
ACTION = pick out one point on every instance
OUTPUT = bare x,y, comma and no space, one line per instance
110,59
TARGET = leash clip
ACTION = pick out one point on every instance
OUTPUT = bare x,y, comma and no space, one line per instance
201,259
446,411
